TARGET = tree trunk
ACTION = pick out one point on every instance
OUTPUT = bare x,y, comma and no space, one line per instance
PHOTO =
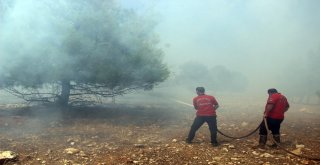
65,93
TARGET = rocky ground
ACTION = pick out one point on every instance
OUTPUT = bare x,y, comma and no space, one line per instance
149,134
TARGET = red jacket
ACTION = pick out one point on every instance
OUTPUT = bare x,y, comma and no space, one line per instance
204,104
280,105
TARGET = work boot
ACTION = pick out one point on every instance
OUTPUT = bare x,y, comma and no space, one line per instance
262,142
188,141
276,138
215,144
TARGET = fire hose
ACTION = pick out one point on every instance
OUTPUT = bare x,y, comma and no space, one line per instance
231,137
251,133
287,151
241,137
278,145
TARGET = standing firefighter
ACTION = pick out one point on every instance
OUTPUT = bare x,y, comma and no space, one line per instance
206,107
276,106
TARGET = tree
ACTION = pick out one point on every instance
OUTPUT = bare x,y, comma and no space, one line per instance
224,79
218,78
74,51
302,78
192,74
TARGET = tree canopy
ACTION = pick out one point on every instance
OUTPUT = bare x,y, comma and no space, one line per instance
218,78
69,51
304,80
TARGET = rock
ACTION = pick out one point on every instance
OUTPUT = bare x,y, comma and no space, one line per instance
174,140
255,153
299,146
231,146
82,154
266,155
155,141
244,124
305,110
71,151
297,151
225,149
212,162
7,155
48,152
139,145
90,145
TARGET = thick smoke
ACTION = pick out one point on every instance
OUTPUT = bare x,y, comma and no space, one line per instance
269,43
273,43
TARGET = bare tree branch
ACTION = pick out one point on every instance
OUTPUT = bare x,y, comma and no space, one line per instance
81,93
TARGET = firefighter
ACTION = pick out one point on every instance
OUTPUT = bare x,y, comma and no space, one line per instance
275,108
206,107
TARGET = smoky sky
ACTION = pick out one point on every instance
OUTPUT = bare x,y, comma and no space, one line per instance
262,39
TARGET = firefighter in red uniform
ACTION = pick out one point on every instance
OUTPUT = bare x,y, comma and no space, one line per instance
206,107
275,108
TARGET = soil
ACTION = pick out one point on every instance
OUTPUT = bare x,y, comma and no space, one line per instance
149,134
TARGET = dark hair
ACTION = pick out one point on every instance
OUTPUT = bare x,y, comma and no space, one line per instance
200,89
272,90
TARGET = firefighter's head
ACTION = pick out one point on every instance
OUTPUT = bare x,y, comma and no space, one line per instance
200,90
272,91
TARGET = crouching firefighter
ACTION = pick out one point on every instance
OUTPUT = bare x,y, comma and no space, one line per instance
275,108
